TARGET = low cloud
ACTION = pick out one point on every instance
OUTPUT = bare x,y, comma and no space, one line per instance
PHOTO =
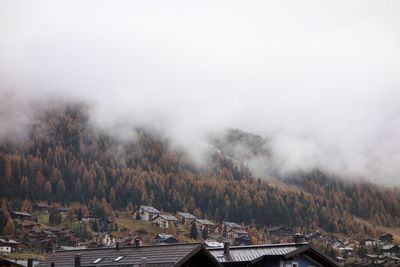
320,80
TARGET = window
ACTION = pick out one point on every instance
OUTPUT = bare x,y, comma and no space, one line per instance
295,264
118,258
97,260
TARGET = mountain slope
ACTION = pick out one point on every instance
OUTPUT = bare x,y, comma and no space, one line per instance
66,160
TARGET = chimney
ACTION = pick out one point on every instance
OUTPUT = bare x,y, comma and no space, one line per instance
30,262
78,260
117,246
143,262
137,242
226,249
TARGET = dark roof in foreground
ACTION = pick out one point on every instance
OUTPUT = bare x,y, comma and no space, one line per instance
7,261
160,255
255,253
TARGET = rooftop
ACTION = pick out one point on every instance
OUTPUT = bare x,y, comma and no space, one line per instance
21,213
150,209
232,224
163,236
205,222
165,255
168,217
187,215
250,253
259,252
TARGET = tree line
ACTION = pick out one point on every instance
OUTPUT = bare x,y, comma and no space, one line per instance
66,160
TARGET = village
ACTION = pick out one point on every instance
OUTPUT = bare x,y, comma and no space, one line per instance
146,225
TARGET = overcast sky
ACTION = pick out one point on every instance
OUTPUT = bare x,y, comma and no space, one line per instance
320,79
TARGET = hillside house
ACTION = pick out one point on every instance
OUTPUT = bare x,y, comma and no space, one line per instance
272,255
316,236
162,239
202,224
243,240
391,250
105,240
237,233
173,255
5,250
63,210
185,218
41,208
281,231
230,230
369,242
386,238
8,246
165,220
145,213
19,215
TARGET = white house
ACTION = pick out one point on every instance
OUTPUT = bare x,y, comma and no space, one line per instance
185,218
145,213
165,220
5,250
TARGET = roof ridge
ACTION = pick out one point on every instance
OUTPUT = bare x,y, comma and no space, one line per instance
131,247
266,245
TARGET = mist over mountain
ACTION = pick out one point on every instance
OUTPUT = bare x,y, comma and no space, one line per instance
318,80
66,160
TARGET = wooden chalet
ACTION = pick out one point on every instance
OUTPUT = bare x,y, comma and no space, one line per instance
19,215
185,218
272,255
145,213
165,239
8,246
41,208
386,238
165,220
201,224
231,230
63,210
176,255
369,242
281,231
391,250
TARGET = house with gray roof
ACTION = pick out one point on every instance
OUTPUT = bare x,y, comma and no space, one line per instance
165,220
272,255
201,224
145,213
231,230
165,239
176,255
185,218
19,215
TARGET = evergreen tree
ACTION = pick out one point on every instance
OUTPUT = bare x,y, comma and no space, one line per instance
204,233
362,251
79,214
54,216
193,231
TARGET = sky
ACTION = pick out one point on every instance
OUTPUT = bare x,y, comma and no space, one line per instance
320,79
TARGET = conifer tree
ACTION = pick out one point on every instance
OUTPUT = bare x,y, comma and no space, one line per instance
193,231
204,233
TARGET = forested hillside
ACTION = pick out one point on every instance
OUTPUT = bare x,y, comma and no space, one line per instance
66,160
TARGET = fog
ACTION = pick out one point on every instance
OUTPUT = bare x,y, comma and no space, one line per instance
319,79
